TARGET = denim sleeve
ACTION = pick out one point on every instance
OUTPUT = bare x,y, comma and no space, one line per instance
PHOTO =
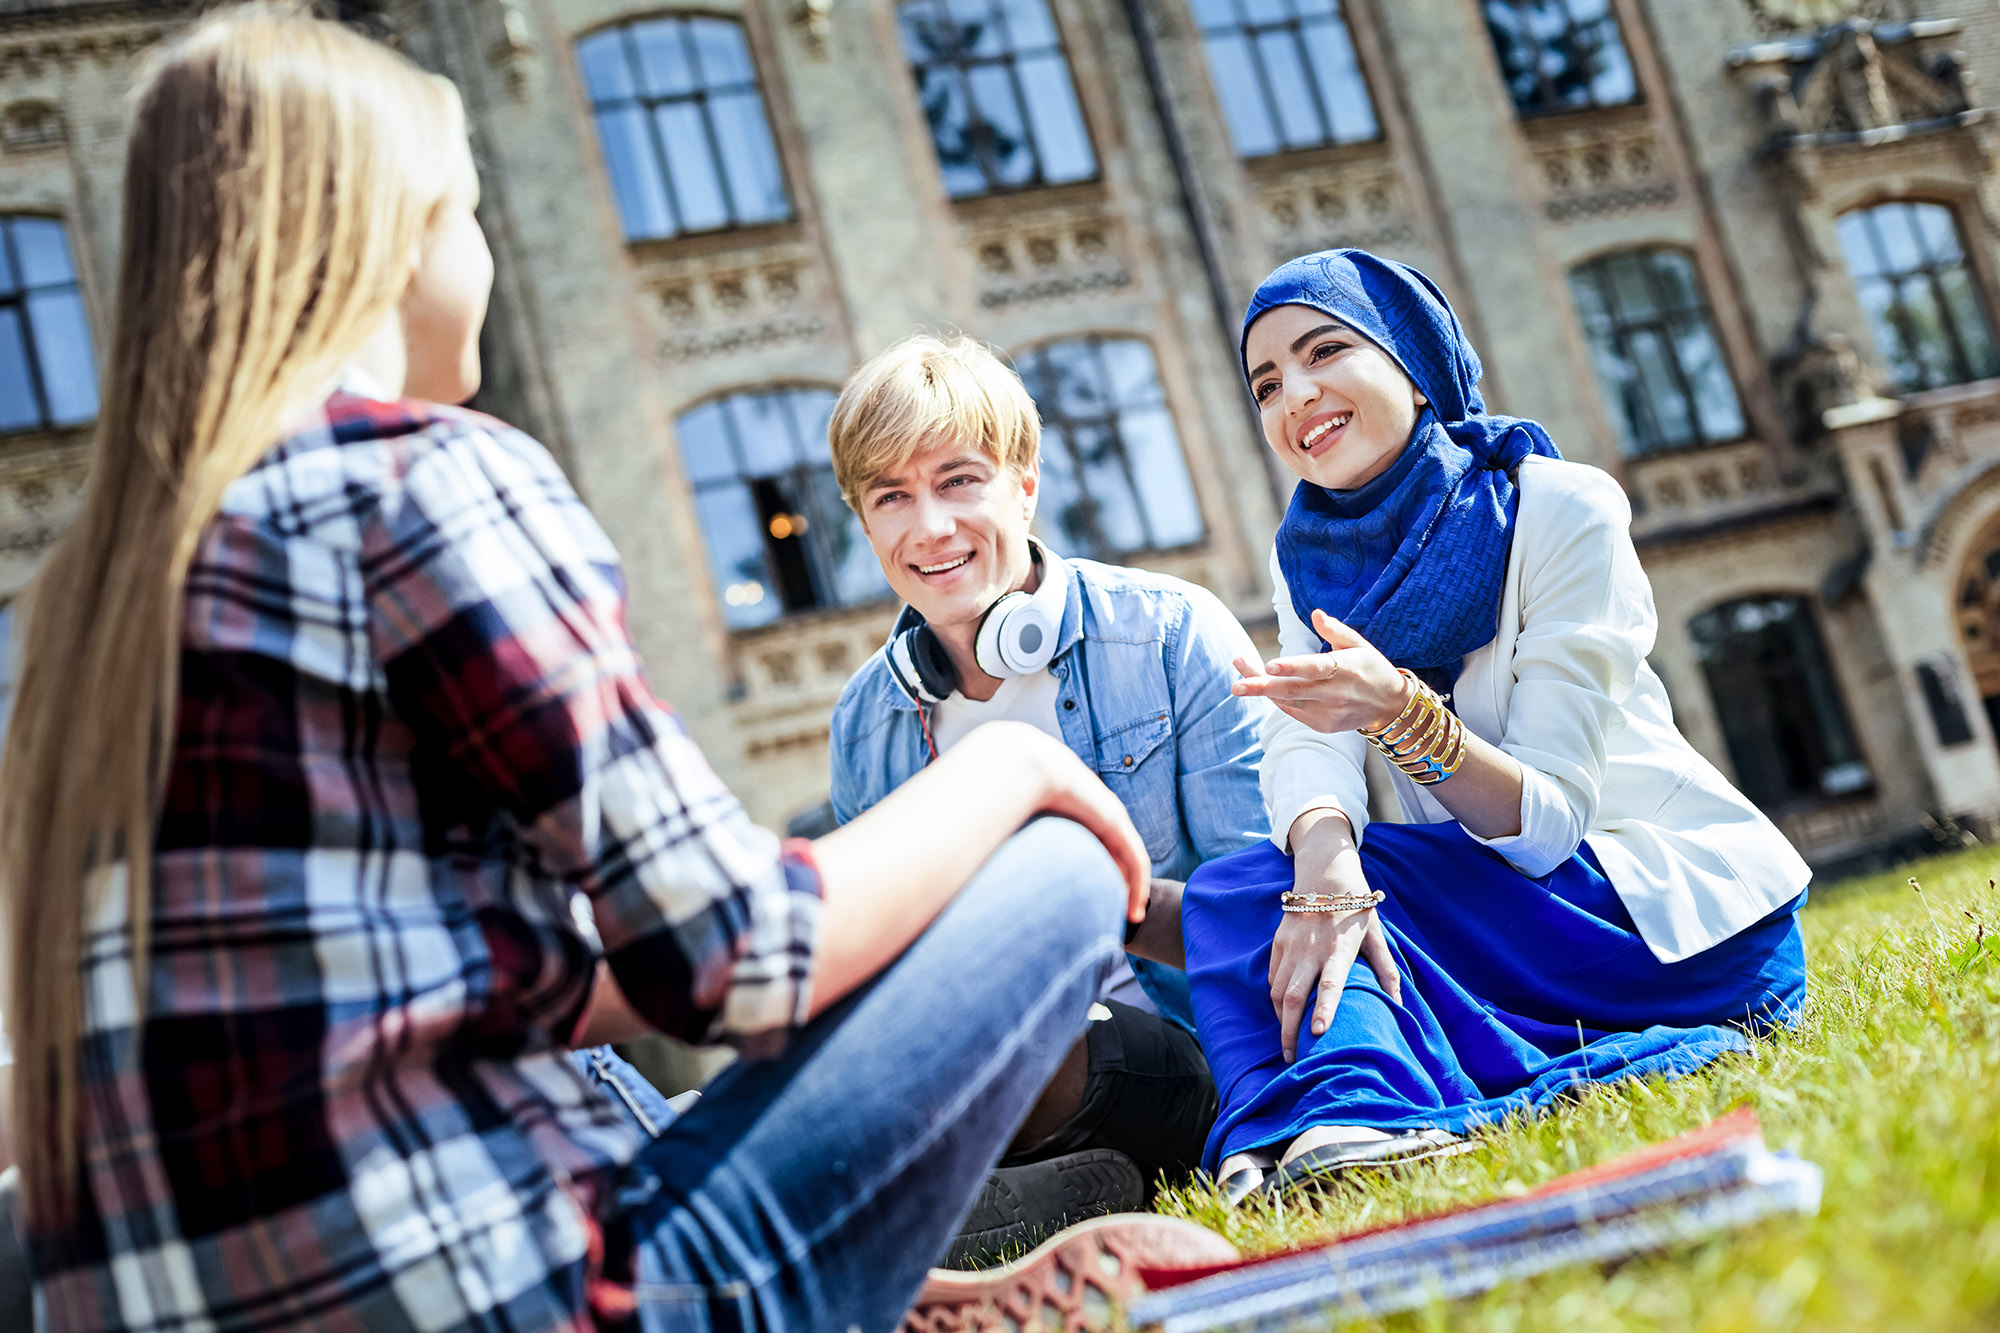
1218,734
845,794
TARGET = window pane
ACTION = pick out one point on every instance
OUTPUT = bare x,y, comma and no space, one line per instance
1877,302
1630,290
1215,13
606,72
1856,246
6,264
812,409
1673,276
1298,117
1618,379
1898,238
972,29
736,555
764,432
663,58
1134,378
1107,482
704,439
1160,472
43,252
1663,395
1239,87
697,187
1029,24
1058,121
1590,305
1934,226
1261,12
1923,326
1009,152
720,52
1968,315
18,408
750,157
946,107
856,573
62,348
1715,401
1064,510
1071,386
1342,89
635,174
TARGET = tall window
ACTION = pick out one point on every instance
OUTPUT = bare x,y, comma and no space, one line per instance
48,371
1775,697
780,538
1560,55
1909,269
683,128
1655,351
996,89
1286,74
1113,479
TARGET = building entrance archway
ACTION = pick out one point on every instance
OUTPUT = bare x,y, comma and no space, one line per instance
1978,609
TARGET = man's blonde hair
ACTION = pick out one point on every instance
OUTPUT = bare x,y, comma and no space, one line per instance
926,391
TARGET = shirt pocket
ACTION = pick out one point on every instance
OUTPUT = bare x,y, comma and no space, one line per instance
1137,763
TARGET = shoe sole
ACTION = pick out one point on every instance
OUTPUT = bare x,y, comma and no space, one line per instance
1077,1282
1289,1181
1020,1205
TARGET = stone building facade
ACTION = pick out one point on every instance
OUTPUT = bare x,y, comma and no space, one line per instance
1745,254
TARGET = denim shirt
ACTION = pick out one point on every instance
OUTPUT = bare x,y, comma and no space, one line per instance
1143,669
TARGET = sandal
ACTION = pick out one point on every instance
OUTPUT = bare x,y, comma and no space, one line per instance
1322,1165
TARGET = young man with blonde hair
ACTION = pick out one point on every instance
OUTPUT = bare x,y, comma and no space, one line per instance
935,445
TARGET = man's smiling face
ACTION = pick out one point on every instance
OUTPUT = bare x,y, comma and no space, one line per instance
950,527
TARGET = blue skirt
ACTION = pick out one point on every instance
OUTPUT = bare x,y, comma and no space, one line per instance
1514,990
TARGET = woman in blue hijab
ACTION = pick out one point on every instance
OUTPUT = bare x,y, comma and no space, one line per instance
1574,893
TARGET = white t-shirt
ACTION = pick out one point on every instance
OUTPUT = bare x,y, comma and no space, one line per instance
1033,699
1030,698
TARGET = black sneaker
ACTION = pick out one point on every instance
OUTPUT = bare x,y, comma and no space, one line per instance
1020,1205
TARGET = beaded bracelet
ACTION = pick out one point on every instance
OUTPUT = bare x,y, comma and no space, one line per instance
1426,740
1292,900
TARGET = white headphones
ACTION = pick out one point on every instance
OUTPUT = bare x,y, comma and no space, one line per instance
1017,635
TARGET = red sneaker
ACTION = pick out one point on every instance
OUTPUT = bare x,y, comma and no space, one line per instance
1077,1281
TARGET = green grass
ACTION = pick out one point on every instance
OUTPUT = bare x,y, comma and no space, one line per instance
1891,1084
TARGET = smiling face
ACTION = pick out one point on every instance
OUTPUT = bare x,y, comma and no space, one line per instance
950,527
1334,406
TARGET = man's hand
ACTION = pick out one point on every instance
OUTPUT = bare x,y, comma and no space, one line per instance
1315,950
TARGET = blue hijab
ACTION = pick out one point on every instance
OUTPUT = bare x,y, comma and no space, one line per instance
1414,559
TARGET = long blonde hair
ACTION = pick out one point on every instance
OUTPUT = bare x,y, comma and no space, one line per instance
279,179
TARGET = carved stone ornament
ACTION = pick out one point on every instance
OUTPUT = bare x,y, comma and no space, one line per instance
1858,82
1785,16
30,127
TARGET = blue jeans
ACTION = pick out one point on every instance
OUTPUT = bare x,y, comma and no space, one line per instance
813,1191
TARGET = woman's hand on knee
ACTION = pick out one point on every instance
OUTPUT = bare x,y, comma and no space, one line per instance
1312,950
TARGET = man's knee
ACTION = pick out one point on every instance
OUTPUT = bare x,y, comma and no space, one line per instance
1056,869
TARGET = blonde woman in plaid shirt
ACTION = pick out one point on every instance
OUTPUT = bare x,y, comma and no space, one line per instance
349,672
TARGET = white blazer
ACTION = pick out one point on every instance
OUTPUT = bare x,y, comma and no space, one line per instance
1564,688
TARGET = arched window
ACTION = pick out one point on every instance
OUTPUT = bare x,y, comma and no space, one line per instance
1113,479
1776,699
1286,74
1655,350
780,538
48,370
1561,55
995,86
681,120
1922,303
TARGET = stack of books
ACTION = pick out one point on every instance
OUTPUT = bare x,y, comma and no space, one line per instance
1716,1177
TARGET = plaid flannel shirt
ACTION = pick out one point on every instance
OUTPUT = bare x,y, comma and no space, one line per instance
412,729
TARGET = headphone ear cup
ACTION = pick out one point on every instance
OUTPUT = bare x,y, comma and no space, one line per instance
935,672
990,647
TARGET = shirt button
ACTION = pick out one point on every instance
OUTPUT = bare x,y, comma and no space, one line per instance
1069,704
1128,761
